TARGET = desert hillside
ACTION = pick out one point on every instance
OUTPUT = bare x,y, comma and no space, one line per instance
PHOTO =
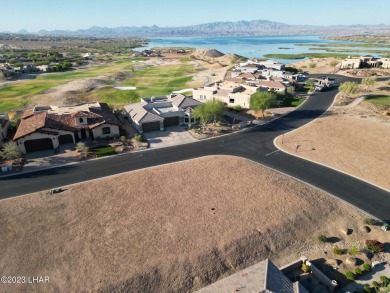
173,228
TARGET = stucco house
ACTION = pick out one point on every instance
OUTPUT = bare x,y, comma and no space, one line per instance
4,125
156,113
270,85
351,63
385,62
47,127
364,61
230,93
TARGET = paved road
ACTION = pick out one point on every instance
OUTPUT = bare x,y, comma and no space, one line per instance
254,143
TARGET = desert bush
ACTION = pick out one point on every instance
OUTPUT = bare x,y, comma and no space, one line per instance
350,276
366,267
374,246
358,271
322,238
237,108
312,65
138,137
353,250
333,63
367,289
384,281
337,250
305,268
369,221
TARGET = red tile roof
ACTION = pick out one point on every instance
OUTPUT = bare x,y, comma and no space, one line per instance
31,122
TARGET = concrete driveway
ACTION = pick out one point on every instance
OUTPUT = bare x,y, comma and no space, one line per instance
45,159
172,135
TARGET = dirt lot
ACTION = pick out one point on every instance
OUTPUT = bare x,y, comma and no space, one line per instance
171,228
353,139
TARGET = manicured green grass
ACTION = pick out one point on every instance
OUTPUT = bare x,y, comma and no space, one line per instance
308,55
150,81
379,100
13,96
105,151
185,59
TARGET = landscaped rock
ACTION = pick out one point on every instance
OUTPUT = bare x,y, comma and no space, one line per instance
351,261
366,229
332,262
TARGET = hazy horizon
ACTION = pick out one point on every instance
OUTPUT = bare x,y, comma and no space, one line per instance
72,15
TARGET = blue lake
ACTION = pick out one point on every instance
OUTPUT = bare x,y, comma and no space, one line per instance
256,46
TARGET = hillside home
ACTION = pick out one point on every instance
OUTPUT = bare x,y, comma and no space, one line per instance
385,63
267,63
4,126
364,61
271,86
230,93
351,63
251,68
156,113
47,127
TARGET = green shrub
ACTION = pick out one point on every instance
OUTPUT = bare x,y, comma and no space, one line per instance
350,276
138,137
375,284
384,280
366,267
337,250
322,238
367,289
312,65
305,268
353,250
358,271
237,108
369,221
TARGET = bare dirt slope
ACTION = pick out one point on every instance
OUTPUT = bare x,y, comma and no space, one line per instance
173,228
74,91
352,145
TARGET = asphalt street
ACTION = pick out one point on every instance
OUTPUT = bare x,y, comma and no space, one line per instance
254,143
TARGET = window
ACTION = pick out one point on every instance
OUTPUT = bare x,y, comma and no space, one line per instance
106,130
81,120
203,97
231,101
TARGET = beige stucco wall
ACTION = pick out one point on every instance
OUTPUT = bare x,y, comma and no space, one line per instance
4,132
97,131
239,100
349,64
36,135
385,63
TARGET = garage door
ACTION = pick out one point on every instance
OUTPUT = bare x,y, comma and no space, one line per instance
151,126
171,121
65,138
38,145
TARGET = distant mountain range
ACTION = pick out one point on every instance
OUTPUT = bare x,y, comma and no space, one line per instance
240,28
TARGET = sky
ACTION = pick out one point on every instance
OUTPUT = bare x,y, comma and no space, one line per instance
35,15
